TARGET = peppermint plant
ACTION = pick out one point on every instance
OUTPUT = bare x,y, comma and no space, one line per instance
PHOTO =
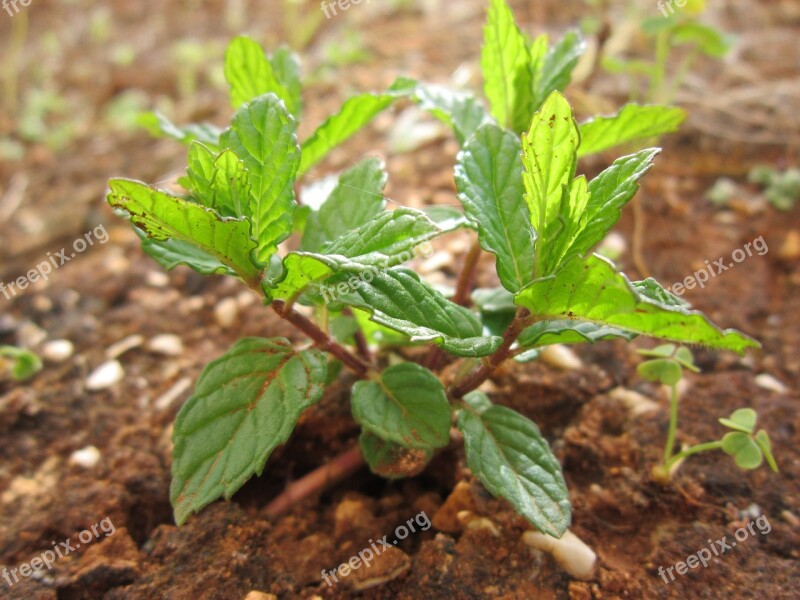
346,287
666,365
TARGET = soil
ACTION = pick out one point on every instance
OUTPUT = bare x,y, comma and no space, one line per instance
88,56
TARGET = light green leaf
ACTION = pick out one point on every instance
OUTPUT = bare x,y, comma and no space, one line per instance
591,290
24,363
164,217
355,201
489,180
743,419
460,110
399,300
762,439
447,218
263,136
505,62
160,126
408,406
744,450
250,74
710,41
565,331
218,182
508,454
665,371
556,70
549,157
633,122
286,67
171,253
355,113
246,403
391,460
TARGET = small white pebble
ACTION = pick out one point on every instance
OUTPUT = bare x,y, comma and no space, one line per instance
167,344
105,376
164,401
86,457
226,311
768,382
636,403
561,357
57,351
246,298
119,348
256,595
157,279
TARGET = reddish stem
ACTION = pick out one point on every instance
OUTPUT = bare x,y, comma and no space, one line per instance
338,469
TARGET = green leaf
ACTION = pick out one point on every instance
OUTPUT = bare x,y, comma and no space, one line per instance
762,439
565,331
662,370
505,63
556,70
744,450
24,363
463,112
743,419
489,180
355,201
549,157
508,454
164,217
407,406
710,41
399,300
246,403
447,218
171,253
391,460
355,113
591,290
286,67
160,126
633,122
263,136
608,193
219,182
250,75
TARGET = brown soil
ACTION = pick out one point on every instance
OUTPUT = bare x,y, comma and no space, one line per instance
111,292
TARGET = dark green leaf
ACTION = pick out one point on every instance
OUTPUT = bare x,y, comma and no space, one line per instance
508,454
489,180
565,331
408,406
246,403
286,67
460,110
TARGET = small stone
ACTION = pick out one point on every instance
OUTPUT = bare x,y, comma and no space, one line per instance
165,400
157,279
790,249
87,457
246,298
636,403
226,311
166,344
387,566
460,499
768,382
561,357
124,345
256,595
57,351
105,376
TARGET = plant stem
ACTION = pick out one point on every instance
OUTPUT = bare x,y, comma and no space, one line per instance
338,469
522,320
361,341
673,424
321,339
696,449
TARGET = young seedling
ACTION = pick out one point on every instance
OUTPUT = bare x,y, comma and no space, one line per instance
666,366
346,288
19,364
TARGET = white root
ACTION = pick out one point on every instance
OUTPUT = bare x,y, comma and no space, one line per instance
570,552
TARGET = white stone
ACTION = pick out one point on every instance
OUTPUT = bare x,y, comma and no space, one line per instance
87,457
226,311
57,351
768,382
167,344
105,376
561,357
119,348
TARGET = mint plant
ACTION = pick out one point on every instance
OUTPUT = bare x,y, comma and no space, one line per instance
748,449
521,198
